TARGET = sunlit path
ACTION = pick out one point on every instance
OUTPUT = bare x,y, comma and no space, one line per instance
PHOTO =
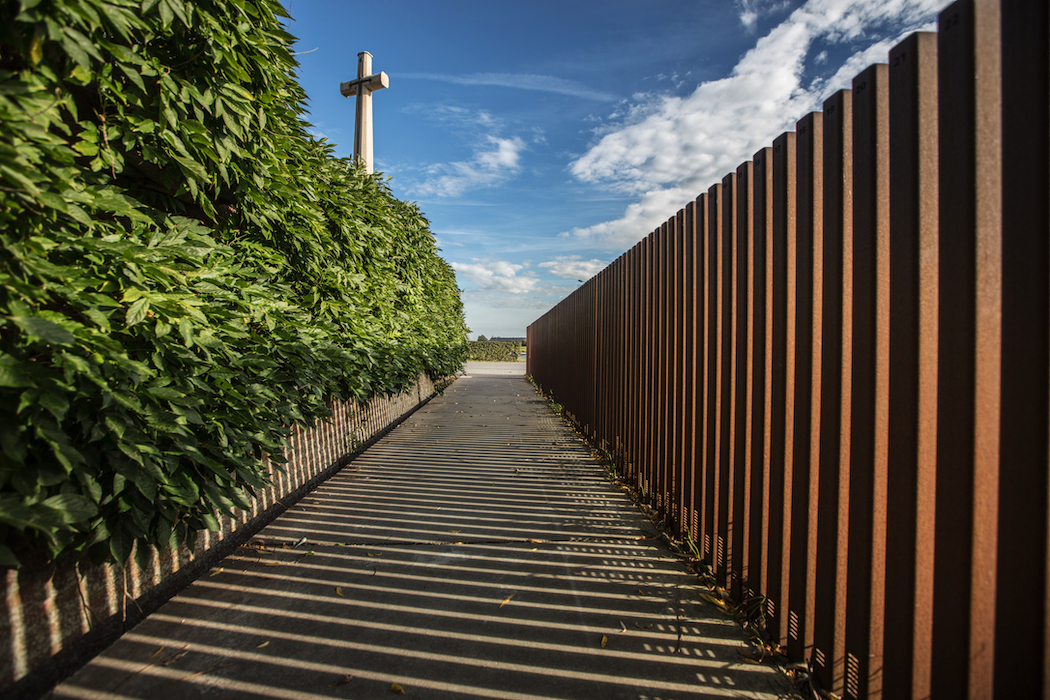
475,552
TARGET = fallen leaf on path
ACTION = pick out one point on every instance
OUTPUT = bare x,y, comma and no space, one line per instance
712,599
175,656
156,652
216,572
275,563
260,646
534,549
623,626
641,626
750,656
395,688
641,592
507,599
373,554
605,640
304,556
339,591
539,541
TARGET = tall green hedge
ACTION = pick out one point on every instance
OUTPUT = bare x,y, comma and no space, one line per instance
493,350
184,271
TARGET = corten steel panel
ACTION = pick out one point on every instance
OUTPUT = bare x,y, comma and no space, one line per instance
600,360
674,373
1022,601
528,350
808,288
588,355
716,484
783,398
701,406
649,289
762,364
969,324
630,362
670,358
623,458
727,405
678,462
615,342
638,407
865,574
634,412
652,416
659,361
913,367
654,366
689,468
662,356
592,359
712,233
745,356
627,321
829,622
605,396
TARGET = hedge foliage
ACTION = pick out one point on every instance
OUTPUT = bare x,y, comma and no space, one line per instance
493,351
184,271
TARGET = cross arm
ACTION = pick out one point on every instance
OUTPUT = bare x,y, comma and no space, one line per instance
369,83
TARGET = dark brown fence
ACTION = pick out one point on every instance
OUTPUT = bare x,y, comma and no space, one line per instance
832,369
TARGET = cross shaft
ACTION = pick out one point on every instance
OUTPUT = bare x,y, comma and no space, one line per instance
363,87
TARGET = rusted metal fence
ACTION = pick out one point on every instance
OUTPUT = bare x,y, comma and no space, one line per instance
832,369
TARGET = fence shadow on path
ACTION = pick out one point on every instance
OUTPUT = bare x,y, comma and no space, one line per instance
476,551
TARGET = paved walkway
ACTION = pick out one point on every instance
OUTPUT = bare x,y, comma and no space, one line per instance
475,552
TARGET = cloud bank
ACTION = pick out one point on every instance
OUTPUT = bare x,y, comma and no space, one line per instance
499,276
494,162
572,267
667,149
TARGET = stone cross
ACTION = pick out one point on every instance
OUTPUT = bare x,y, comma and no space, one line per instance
363,87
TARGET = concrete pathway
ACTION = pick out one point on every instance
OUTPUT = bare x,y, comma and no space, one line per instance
475,552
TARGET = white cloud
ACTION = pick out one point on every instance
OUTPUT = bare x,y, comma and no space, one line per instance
751,10
493,163
573,267
667,149
521,81
498,276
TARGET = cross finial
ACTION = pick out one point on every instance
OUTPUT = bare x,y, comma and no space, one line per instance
363,87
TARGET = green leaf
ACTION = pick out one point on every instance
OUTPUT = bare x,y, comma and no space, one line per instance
166,15
44,330
72,508
54,402
193,167
13,373
137,312
186,331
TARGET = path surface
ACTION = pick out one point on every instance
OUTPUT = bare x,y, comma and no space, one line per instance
477,551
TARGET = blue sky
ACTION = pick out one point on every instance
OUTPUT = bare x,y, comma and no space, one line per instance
543,139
